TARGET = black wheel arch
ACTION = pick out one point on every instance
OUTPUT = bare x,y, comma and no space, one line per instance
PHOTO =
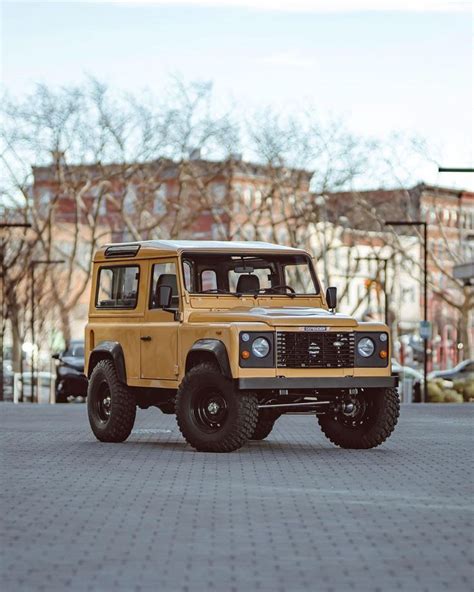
108,350
209,350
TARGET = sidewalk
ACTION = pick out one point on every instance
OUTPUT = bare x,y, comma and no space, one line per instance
292,513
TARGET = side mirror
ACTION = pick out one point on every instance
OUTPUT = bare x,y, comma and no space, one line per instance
331,298
164,296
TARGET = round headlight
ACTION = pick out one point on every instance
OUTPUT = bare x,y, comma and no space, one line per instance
260,347
366,347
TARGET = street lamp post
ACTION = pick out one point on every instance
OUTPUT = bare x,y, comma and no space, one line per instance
424,225
321,202
32,320
3,276
385,293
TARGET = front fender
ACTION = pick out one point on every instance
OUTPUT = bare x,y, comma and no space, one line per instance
214,347
111,350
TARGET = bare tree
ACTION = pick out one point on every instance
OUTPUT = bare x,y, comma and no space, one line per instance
85,165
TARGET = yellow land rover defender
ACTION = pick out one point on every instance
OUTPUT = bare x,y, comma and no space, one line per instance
229,336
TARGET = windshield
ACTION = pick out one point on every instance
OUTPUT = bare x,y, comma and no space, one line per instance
264,275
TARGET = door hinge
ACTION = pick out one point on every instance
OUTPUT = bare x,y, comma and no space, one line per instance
176,370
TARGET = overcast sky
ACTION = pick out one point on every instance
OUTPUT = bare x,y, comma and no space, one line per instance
382,65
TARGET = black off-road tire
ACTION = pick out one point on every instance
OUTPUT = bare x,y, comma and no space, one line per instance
383,409
265,423
103,383
262,429
234,422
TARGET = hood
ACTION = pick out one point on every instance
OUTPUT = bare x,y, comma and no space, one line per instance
281,317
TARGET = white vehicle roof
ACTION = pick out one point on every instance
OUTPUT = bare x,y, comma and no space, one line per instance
149,248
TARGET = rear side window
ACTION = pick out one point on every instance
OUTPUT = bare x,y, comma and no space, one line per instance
117,287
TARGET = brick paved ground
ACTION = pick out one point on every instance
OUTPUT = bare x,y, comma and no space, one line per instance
292,513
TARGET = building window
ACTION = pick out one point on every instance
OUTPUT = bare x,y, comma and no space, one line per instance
247,193
218,191
129,200
45,197
441,249
159,204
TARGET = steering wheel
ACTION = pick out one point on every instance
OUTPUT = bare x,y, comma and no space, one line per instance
279,287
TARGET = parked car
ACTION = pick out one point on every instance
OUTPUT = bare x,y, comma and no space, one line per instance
463,371
70,379
407,371
407,375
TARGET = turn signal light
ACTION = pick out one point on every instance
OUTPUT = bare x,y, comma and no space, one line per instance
383,354
245,354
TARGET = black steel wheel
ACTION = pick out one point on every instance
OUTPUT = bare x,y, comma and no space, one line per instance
363,421
210,410
110,405
103,402
211,415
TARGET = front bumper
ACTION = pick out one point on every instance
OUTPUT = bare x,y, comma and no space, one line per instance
338,383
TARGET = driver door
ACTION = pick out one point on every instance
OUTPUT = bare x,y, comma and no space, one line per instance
159,332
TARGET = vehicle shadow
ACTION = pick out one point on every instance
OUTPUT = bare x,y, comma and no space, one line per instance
273,447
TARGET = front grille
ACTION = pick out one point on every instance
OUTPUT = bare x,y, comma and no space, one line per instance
315,350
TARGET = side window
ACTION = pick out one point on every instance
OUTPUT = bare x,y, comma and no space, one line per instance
117,287
208,280
164,274
188,284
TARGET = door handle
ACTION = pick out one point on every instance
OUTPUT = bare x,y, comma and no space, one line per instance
146,338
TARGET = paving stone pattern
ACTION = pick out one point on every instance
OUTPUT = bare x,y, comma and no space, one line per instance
292,513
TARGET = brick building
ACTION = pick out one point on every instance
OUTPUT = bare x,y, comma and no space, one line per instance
195,198
234,199
93,204
449,215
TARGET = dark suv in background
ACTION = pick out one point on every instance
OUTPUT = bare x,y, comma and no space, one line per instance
70,379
